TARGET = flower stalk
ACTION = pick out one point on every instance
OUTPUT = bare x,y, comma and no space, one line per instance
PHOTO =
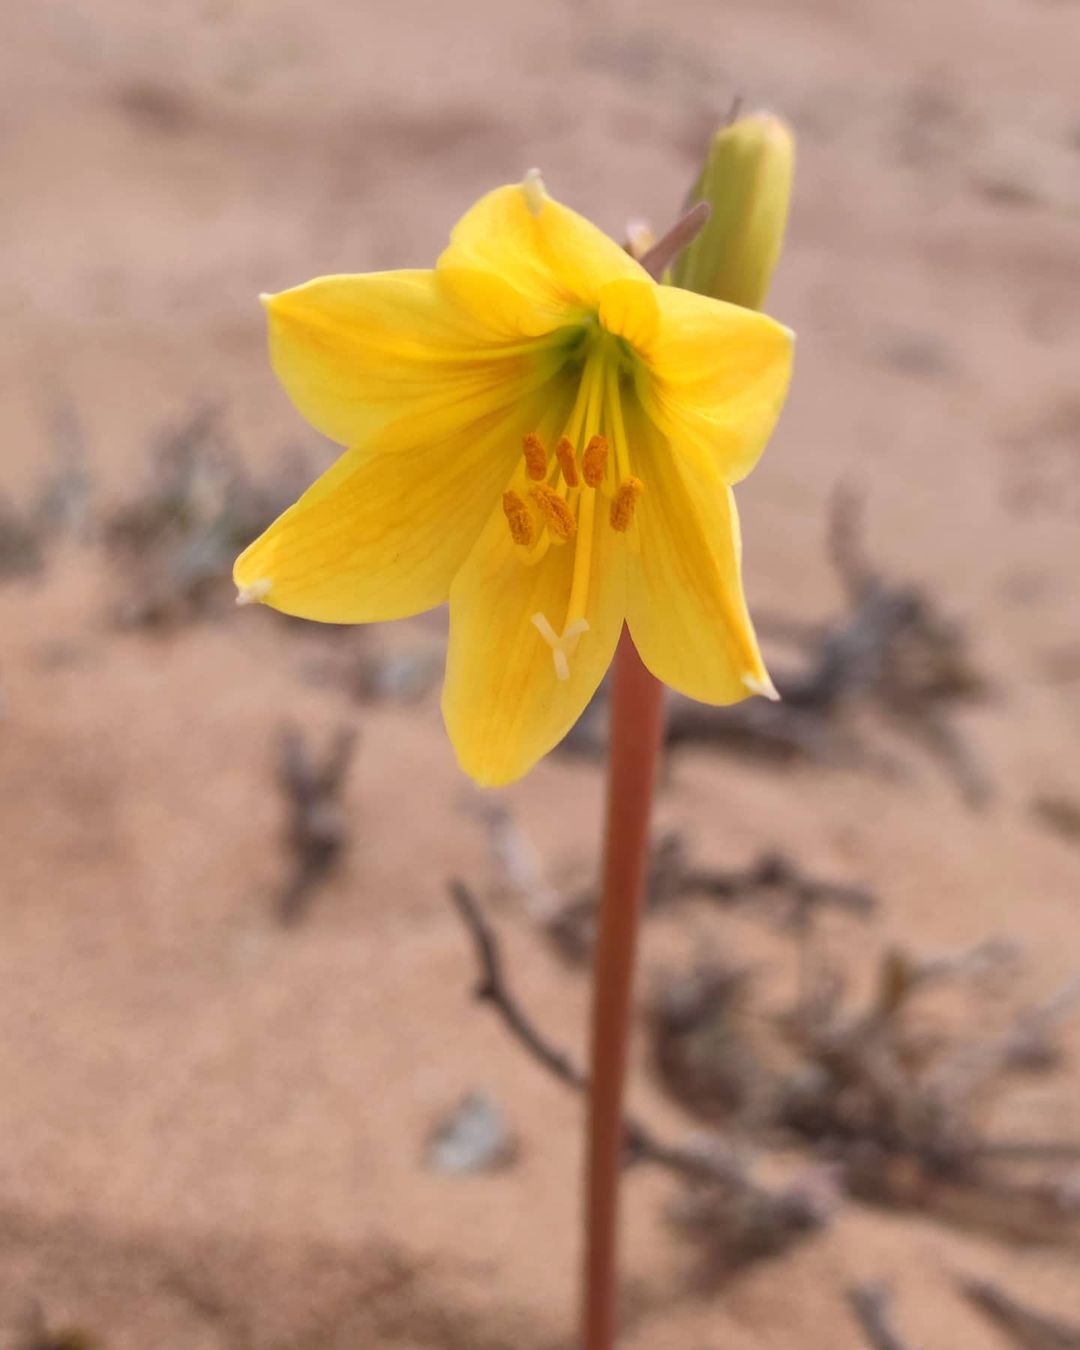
728,247
637,721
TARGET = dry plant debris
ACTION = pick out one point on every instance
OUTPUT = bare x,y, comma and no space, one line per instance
318,825
893,651
896,1109
892,1107
175,543
742,1218
704,1047
774,883
61,505
1021,1325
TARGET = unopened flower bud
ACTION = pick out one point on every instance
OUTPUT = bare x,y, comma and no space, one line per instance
746,180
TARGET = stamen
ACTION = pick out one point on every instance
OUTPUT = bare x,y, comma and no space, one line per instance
622,508
594,460
535,457
519,518
565,454
557,515
254,591
562,646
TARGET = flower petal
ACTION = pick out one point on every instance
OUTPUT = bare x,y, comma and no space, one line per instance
380,535
630,308
541,248
354,351
719,376
503,704
685,605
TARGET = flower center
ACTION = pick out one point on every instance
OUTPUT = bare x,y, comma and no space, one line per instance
558,504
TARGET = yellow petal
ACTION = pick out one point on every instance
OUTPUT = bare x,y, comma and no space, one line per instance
630,308
685,605
719,376
545,251
381,534
503,702
353,351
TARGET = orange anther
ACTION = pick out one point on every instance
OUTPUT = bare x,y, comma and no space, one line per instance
519,518
622,507
567,457
535,456
593,461
557,515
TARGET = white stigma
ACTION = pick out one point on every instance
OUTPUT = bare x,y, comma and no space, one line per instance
533,188
254,592
562,646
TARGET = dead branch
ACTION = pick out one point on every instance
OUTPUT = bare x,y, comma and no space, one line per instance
749,1209
317,823
492,988
773,877
776,874
871,1303
1024,1326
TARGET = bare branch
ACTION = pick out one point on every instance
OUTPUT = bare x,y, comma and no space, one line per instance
492,988
711,1160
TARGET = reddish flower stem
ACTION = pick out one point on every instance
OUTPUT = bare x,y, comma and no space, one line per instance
637,718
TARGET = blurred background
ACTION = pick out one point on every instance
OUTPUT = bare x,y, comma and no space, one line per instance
246,1098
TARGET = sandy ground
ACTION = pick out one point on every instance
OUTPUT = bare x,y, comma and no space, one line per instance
211,1127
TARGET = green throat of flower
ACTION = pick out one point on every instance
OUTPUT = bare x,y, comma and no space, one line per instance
553,501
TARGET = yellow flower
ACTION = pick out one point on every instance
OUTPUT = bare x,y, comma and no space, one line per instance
541,434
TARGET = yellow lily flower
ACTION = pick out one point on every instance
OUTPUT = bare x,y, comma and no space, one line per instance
541,434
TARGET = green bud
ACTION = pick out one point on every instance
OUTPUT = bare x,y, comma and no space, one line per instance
746,180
